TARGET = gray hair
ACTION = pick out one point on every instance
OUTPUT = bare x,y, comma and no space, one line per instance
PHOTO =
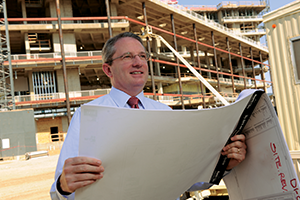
109,48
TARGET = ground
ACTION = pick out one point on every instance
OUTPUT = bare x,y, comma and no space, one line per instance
27,179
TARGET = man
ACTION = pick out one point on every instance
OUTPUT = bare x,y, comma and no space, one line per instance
125,63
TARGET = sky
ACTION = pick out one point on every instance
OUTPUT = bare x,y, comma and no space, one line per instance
274,4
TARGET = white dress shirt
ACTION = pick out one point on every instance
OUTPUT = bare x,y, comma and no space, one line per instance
115,98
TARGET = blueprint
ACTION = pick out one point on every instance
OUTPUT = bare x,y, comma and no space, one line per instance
267,173
152,154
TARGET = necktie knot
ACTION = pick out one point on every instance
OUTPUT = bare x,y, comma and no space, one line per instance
133,102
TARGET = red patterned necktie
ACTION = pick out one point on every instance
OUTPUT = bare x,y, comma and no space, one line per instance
133,102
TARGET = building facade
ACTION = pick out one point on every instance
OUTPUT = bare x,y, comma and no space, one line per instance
228,60
283,36
243,17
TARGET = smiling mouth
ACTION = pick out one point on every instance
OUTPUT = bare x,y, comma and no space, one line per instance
136,72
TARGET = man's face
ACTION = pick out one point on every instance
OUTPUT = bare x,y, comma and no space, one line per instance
130,76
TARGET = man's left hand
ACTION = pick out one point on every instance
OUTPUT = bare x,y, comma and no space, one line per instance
235,150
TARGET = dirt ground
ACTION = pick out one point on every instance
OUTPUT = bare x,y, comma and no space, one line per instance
27,179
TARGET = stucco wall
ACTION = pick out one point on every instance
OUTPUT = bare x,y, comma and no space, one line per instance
282,25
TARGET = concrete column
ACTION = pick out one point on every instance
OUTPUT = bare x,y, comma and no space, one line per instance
24,13
192,53
113,11
69,43
257,39
30,81
184,50
156,49
27,45
236,27
52,9
220,64
73,80
208,62
65,9
220,17
160,88
64,123
239,66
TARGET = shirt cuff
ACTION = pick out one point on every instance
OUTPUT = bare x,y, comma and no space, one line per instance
226,172
60,192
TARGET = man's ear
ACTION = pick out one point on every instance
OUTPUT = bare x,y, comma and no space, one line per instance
106,69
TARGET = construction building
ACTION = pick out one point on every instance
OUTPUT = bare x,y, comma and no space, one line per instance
242,17
224,48
283,36
37,73
36,58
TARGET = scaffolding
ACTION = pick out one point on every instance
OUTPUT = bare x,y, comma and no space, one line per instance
6,76
267,8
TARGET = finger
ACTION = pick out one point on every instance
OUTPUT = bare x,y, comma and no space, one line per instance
237,156
83,160
76,185
239,137
236,144
82,177
234,161
232,150
86,168
71,182
236,153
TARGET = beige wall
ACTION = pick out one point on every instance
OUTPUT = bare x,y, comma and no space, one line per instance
68,38
287,93
191,88
21,84
65,8
69,44
43,129
73,80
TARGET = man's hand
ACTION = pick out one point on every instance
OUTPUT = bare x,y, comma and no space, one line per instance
79,172
235,150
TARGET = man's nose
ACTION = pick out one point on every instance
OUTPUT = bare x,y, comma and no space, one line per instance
137,60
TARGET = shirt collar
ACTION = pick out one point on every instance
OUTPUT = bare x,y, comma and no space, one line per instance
121,98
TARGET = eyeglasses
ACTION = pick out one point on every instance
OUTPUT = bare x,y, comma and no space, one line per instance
144,56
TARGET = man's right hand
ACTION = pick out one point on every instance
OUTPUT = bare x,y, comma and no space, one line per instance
79,172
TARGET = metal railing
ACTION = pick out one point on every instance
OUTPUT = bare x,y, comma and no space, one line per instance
55,55
192,14
99,92
90,93
65,20
60,95
200,7
33,1
40,44
241,3
254,31
226,3
243,17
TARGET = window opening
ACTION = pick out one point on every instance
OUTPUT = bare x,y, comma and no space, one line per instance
55,137
44,85
295,50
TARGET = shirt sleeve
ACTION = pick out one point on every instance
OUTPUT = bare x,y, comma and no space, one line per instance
69,150
204,185
200,186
